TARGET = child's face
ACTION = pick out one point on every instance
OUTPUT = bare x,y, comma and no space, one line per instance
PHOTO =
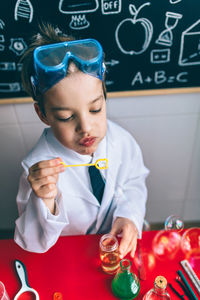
76,111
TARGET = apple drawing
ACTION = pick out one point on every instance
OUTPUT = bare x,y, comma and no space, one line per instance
133,25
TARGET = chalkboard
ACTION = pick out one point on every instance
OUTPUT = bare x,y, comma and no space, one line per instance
148,44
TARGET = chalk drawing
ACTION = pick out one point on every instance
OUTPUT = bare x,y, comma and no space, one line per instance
78,10
9,87
18,46
112,62
7,66
2,40
2,24
23,10
109,82
190,46
146,25
159,56
174,1
166,36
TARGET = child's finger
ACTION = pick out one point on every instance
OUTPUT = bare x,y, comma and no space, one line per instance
125,242
46,164
133,247
44,172
37,183
47,191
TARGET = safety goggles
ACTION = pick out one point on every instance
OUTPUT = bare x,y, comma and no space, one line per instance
51,62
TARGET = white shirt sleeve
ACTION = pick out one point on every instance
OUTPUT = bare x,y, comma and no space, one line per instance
131,193
36,228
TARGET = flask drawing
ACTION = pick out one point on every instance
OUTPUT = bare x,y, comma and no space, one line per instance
78,10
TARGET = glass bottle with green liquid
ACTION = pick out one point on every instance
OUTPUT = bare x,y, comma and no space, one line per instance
125,284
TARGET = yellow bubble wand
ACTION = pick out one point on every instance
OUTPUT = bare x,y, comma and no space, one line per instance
102,161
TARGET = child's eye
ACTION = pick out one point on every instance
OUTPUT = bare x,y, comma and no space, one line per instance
66,119
95,110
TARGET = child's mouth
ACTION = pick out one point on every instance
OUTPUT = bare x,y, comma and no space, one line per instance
87,142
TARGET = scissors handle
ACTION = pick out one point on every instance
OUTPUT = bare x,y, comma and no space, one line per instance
21,271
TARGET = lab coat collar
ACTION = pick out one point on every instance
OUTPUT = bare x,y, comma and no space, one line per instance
113,163
72,156
69,156
106,149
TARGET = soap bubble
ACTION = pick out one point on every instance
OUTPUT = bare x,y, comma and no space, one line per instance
190,245
166,244
174,223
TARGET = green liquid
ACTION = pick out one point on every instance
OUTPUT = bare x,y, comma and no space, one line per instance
125,287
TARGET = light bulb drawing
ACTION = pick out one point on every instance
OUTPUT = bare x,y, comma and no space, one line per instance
78,10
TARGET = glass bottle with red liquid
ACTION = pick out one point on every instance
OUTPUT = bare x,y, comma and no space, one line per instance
158,292
190,245
125,284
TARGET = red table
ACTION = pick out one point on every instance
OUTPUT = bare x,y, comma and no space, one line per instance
72,267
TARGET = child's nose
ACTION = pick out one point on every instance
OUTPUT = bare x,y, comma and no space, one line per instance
83,125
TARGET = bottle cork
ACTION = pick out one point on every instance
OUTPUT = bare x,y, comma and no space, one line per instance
161,282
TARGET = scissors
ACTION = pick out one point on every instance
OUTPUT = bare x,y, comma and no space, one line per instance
21,271
100,164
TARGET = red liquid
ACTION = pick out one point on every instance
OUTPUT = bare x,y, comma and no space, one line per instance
27,296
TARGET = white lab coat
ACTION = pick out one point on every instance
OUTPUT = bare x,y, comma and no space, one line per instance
78,211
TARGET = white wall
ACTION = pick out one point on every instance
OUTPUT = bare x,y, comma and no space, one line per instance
167,129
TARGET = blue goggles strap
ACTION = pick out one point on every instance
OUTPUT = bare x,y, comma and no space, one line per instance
51,62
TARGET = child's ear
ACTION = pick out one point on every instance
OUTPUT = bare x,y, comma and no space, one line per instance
40,114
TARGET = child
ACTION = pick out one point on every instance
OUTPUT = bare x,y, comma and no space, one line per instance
70,98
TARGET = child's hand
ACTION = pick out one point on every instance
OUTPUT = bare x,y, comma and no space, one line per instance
129,233
43,177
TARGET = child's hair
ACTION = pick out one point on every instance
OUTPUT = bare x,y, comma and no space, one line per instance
47,35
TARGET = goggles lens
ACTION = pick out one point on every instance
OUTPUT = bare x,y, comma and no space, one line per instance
51,61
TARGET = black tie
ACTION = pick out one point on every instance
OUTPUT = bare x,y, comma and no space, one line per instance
97,182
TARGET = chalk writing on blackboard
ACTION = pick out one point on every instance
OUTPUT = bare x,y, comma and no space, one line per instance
159,77
147,45
111,7
10,87
7,66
